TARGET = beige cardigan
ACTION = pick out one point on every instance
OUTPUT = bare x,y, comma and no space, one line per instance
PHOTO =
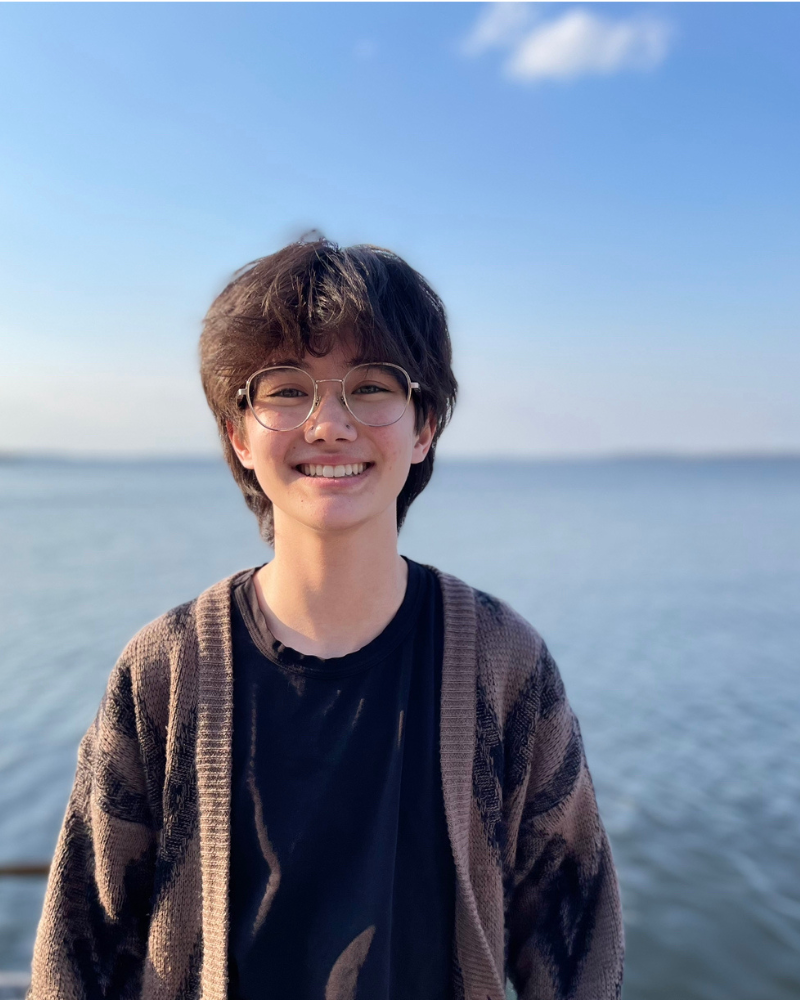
137,899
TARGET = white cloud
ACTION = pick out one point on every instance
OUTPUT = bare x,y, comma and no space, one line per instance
498,24
580,43
577,43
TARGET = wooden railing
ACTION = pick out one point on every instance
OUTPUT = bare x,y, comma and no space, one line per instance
34,868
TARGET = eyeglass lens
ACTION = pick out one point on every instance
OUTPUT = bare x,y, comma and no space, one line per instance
283,398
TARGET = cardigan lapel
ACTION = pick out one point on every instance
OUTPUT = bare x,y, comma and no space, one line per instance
214,754
457,748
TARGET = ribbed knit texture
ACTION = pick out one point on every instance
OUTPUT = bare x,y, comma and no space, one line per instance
137,900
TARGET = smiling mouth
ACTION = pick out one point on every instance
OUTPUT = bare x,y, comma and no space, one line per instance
334,471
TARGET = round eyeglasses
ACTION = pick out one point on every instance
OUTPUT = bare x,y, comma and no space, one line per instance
284,397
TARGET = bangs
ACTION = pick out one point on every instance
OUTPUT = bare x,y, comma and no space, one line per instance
365,343
309,305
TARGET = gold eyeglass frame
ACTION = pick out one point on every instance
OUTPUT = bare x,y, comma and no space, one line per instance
243,395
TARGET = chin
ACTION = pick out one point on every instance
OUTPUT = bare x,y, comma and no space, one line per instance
336,518
341,520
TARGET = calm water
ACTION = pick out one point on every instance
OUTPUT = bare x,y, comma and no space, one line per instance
668,592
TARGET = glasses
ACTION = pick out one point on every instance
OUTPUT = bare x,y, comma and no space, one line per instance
283,398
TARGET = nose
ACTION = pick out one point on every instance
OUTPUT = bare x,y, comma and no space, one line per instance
331,420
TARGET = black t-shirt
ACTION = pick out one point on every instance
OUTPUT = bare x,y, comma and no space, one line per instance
342,875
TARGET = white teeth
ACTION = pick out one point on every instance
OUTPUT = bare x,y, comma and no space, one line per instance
333,472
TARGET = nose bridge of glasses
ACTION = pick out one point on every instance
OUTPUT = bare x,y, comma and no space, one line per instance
318,397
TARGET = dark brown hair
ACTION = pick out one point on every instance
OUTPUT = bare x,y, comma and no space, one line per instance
297,301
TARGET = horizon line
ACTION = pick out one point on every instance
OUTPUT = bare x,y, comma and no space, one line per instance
640,455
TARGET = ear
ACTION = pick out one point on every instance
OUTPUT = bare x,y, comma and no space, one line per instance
424,439
238,439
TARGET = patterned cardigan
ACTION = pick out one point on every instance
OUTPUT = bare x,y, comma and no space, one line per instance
137,898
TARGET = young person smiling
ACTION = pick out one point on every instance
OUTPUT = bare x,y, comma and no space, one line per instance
336,579
342,775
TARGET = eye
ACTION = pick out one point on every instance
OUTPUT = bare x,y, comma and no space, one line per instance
369,388
288,392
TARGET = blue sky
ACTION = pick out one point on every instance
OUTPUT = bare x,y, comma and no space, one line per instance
605,195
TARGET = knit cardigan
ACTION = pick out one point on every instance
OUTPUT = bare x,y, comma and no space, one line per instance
136,904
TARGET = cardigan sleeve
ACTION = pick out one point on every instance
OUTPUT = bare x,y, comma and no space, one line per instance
565,932
92,935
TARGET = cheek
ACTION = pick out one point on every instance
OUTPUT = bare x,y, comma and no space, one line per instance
399,449
268,458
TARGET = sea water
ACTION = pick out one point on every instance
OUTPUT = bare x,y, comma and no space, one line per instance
668,591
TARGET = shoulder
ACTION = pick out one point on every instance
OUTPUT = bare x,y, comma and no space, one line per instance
181,625
497,626
168,646
512,659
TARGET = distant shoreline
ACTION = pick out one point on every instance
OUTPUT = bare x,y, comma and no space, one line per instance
65,458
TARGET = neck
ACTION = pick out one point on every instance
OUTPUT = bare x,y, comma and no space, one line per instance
330,594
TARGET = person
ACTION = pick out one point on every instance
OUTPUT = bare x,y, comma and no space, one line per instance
343,774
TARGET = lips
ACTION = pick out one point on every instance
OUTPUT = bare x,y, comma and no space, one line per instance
328,471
